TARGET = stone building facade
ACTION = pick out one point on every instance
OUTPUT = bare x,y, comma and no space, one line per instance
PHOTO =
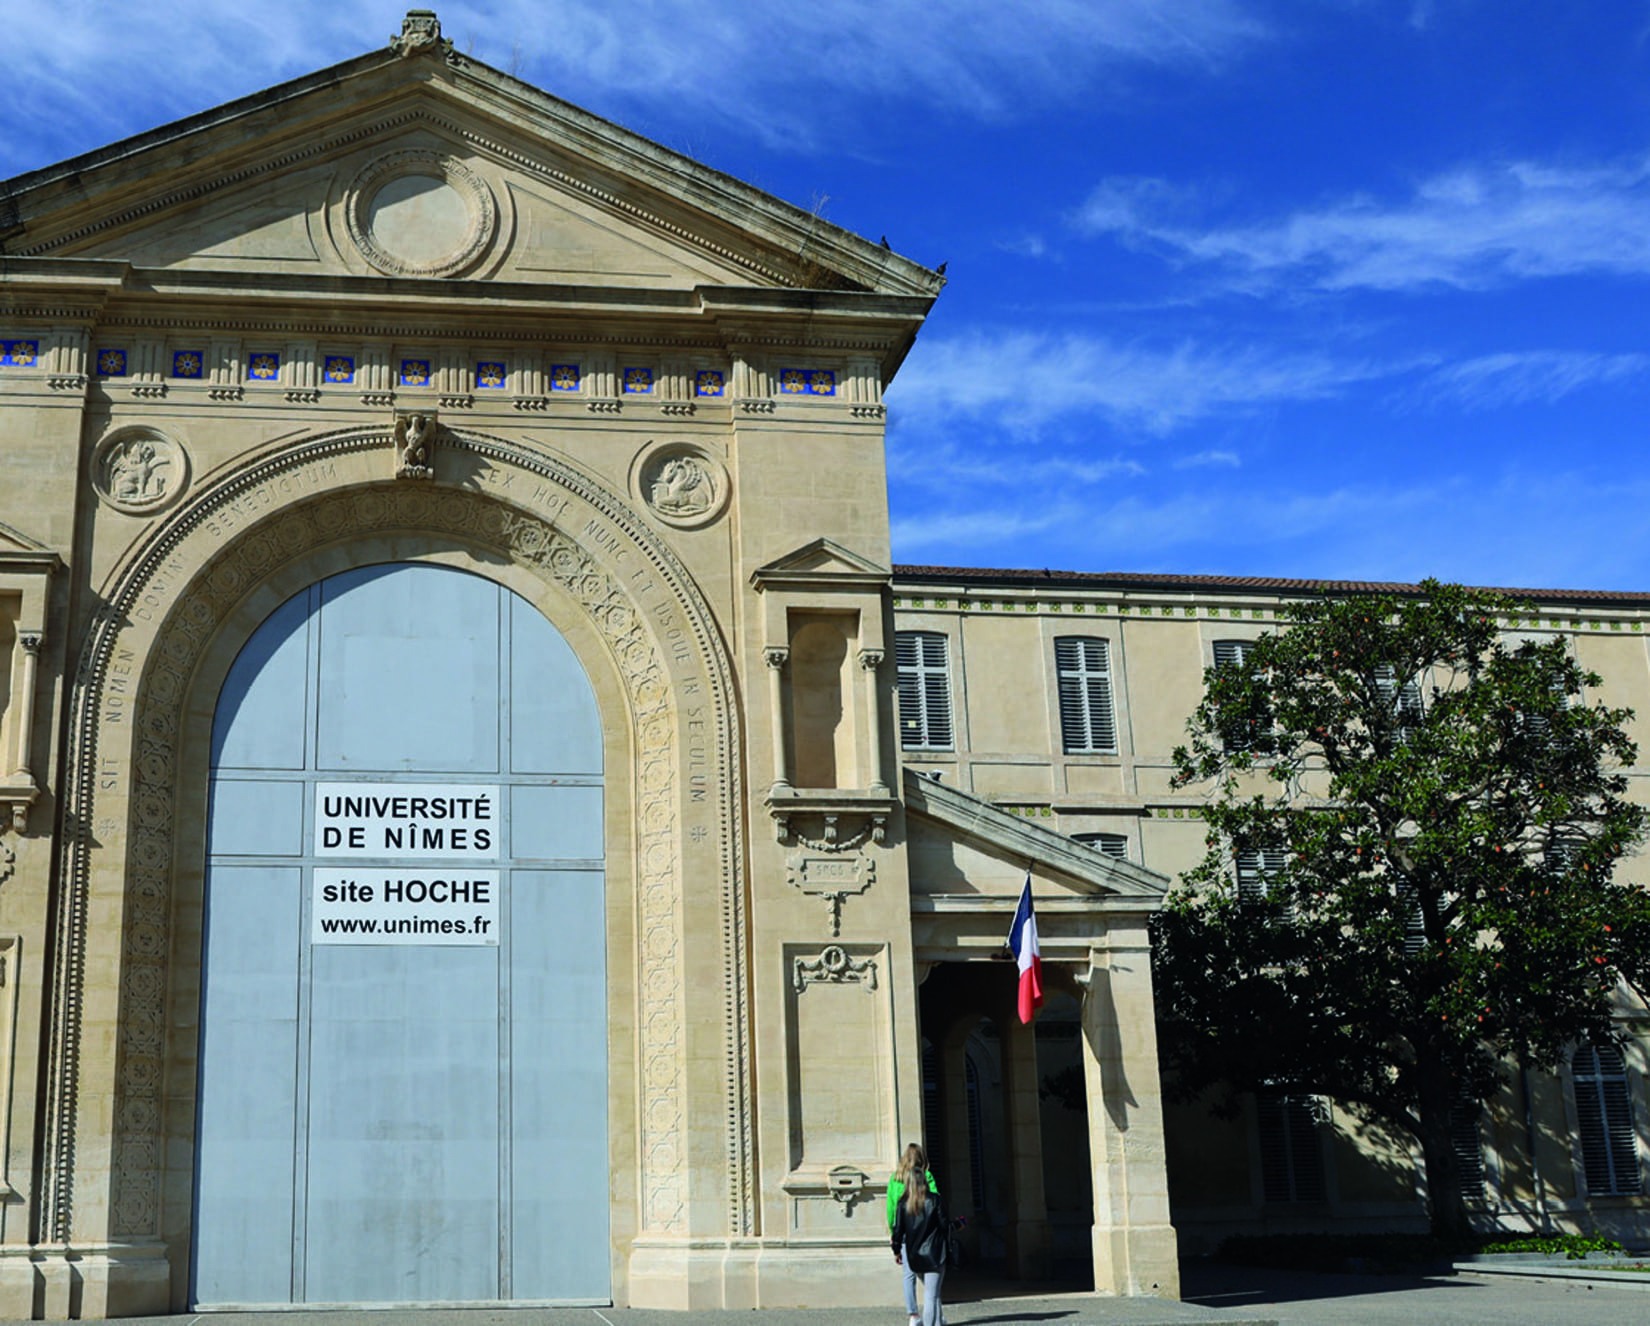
457,846
1063,697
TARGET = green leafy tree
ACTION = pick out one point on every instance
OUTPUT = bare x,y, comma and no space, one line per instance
1444,812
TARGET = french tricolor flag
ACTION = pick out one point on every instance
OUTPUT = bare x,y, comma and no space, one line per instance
1022,938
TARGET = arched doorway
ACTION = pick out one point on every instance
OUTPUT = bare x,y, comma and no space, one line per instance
403,1054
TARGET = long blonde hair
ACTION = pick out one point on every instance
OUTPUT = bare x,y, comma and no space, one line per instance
913,1173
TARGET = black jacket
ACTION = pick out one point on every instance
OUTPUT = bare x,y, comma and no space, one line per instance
926,1236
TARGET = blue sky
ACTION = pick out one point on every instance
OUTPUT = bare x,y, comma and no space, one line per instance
1347,289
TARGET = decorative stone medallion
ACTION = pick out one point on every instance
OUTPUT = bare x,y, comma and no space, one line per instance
680,484
421,213
139,470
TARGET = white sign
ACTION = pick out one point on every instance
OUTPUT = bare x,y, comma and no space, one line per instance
406,821
382,905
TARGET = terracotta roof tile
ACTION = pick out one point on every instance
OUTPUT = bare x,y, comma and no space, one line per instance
1129,580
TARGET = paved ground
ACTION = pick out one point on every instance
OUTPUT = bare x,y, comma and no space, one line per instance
1214,1296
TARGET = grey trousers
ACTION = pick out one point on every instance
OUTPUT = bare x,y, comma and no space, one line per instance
930,1313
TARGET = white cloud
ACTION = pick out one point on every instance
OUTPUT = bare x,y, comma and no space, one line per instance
780,71
1202,459
1474,227
1024,380
1525,378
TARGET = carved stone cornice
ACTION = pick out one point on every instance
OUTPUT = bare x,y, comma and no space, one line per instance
843,820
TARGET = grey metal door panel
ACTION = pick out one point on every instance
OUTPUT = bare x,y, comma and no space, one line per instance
256,817
403,1122
558,1144
554,726
245,1131
403,1125
409,671
556,823
254,727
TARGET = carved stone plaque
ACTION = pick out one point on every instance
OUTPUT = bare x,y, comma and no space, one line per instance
680,484
421,213
139,470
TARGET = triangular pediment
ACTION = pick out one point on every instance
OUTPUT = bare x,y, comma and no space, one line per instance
821,562
961,844
15,541
434,166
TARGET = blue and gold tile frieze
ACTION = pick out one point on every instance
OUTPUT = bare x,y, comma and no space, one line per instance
111,363
564,377
807,381
19,354
188,364
490,374
638,381
415,372
709,382
264,367
338,369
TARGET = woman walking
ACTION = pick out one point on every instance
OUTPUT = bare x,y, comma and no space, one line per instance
920,1234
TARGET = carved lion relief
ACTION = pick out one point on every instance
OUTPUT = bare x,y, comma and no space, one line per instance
139,470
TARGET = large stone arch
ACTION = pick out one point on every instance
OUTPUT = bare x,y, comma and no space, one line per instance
172,617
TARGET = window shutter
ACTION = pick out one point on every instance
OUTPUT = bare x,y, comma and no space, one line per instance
1291,1159
1228,654
1257,867
1112,844
1083,668
1469,1153
1404,701
1604,1113
922,661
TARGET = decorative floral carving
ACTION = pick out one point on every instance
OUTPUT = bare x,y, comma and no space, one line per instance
834,966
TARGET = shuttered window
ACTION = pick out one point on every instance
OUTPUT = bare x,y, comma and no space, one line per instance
1404,701
1229,654
1604,1112
1257,867
1086,720
924,665
1291,1155
1469,1152
1112,844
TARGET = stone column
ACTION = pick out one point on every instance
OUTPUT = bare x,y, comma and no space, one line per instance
1135,1250
870,660
1027,1234
776,656
30,641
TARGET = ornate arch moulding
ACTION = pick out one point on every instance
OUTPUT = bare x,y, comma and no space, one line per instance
167,603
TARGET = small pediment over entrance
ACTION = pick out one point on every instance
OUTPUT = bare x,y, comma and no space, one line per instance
430,164
969,861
